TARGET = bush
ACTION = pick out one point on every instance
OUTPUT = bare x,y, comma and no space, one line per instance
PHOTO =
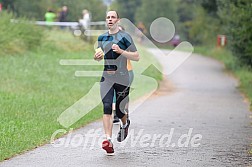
18,37
203,29
236,15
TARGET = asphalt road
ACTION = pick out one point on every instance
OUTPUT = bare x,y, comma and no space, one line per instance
202,121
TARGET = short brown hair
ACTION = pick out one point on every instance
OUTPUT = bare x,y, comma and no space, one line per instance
114,11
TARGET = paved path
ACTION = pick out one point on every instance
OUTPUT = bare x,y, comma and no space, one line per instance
204,103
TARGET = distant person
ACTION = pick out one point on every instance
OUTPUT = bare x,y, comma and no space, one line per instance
85,19
142,29
50,16
63,15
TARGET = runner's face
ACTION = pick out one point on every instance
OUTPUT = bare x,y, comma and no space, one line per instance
111,19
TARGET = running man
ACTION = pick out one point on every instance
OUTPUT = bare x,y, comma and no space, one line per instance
116,47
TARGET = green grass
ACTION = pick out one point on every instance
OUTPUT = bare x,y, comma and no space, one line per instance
17,38
245,77
35,89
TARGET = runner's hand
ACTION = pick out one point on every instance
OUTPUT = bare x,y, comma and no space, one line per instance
117,49
98,55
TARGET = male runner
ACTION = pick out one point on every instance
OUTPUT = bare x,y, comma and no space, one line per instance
117,46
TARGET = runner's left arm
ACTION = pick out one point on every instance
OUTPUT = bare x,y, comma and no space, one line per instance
131,51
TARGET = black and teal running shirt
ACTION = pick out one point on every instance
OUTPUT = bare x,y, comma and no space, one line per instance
112,60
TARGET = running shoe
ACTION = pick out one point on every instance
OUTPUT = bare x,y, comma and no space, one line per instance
107,145
123,133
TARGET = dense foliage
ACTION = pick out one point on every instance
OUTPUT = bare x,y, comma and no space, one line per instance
198,21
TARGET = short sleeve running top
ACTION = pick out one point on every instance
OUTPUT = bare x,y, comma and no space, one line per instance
112,60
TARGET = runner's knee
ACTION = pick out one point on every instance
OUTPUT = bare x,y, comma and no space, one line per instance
119,114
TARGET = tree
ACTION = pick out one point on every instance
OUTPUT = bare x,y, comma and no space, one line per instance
31,9
36,9
127,9
236,16
202,29
210,7
96,7
184,10
8,5
185,15
150,10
